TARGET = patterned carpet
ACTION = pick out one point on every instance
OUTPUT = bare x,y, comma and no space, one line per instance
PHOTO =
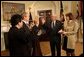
45,48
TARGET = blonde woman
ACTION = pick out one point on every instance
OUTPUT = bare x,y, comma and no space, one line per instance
70,30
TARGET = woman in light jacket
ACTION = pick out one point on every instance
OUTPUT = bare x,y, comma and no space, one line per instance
70,30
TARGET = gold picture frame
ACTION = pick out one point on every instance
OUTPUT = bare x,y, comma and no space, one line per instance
10,9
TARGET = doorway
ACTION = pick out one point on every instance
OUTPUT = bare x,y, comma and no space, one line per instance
46,14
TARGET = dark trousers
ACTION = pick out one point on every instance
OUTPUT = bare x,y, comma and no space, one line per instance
34,48
55,44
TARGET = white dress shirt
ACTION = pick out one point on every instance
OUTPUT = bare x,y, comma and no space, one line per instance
52,23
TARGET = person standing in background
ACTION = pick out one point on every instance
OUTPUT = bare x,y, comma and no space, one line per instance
43,26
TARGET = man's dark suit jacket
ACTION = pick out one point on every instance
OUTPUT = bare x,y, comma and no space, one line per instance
54,35
28,33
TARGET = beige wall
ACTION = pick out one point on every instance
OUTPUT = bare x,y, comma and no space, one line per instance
74,7
67,6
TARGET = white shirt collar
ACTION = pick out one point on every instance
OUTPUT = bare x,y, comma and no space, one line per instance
54,22
26,22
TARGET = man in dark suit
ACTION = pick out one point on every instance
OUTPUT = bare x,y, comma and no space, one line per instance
18,41
55,36
26,29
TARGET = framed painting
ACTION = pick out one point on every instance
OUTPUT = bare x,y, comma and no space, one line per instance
10,9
